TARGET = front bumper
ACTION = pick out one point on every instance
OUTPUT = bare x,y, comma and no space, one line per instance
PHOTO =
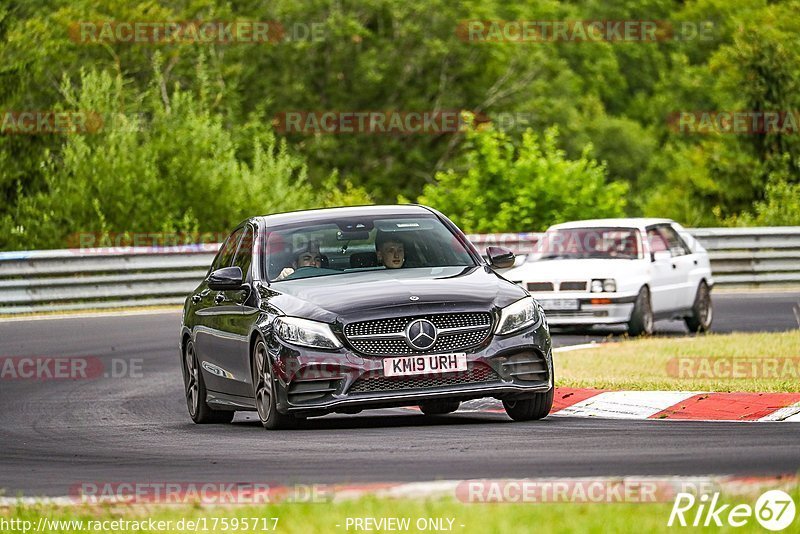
592,308
314,382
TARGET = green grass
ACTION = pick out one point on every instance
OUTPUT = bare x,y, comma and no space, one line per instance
688,364
332,517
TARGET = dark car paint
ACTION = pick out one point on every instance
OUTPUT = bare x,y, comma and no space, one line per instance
224,324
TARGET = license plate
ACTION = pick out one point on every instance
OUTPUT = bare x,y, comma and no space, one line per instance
428,364
560,304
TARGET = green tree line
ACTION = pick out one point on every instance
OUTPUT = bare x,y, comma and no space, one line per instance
188,139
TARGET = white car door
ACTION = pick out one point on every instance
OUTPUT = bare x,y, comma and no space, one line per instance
666,281
685,262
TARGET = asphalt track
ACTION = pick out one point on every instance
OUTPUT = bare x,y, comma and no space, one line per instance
55,434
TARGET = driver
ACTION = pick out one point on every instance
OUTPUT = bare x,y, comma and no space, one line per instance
390,251
307,256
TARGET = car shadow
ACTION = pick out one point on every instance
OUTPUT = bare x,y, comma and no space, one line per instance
395,419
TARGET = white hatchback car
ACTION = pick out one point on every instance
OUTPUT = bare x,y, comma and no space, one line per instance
619,271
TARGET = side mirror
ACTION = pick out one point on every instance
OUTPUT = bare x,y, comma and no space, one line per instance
500,257
661,255
227,278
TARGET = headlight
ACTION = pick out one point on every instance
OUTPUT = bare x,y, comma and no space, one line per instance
609,285
517,316
306,333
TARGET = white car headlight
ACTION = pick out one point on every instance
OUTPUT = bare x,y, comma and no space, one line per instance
306,333
608,285
517,316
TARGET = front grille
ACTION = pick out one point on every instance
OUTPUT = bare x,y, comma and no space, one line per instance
540,286
476,328
572,286
476,374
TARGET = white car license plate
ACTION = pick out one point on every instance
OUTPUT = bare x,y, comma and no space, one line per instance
428,364
560,304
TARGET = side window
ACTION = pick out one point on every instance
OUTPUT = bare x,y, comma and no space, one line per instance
227,250
656,240
676,245
245,253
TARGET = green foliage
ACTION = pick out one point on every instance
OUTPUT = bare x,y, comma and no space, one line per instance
161,162
188,141
781,204
502,187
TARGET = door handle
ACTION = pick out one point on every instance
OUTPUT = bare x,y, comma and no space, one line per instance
220,298
196,298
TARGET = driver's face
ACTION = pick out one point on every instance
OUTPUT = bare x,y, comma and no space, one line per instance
309,259
392,254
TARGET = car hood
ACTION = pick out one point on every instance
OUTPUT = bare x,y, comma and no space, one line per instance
373,294
573,269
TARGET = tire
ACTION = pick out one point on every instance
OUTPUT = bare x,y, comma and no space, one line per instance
439,407
264,392
641,321
702,310
195,390
531,408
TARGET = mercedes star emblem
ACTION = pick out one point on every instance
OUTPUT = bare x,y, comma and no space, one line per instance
421,334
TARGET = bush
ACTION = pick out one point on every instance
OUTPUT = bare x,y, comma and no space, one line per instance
502,187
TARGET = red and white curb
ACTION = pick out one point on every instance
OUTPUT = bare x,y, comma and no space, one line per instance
669,405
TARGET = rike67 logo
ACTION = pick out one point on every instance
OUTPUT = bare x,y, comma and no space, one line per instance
774,510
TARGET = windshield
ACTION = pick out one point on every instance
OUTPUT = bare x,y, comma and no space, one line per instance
584,243
338,247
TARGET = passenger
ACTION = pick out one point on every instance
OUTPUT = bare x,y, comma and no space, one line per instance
390,251
308,256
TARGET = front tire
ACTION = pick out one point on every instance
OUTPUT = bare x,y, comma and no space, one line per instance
264,392
531,408
642,320
195,389
702,310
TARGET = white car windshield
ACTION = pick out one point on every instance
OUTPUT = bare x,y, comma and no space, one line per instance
594,243
367,244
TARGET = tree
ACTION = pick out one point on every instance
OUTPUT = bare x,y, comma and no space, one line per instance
498,186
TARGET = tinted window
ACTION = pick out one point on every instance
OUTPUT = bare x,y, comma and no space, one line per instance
245,253
339,247
227,250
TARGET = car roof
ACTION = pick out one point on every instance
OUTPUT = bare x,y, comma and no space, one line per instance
314,215
634,222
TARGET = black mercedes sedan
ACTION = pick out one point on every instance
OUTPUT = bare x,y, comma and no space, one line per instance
344,309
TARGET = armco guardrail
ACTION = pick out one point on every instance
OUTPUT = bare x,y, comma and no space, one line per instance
75,279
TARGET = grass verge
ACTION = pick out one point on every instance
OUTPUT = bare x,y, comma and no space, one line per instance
454,516
757,362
